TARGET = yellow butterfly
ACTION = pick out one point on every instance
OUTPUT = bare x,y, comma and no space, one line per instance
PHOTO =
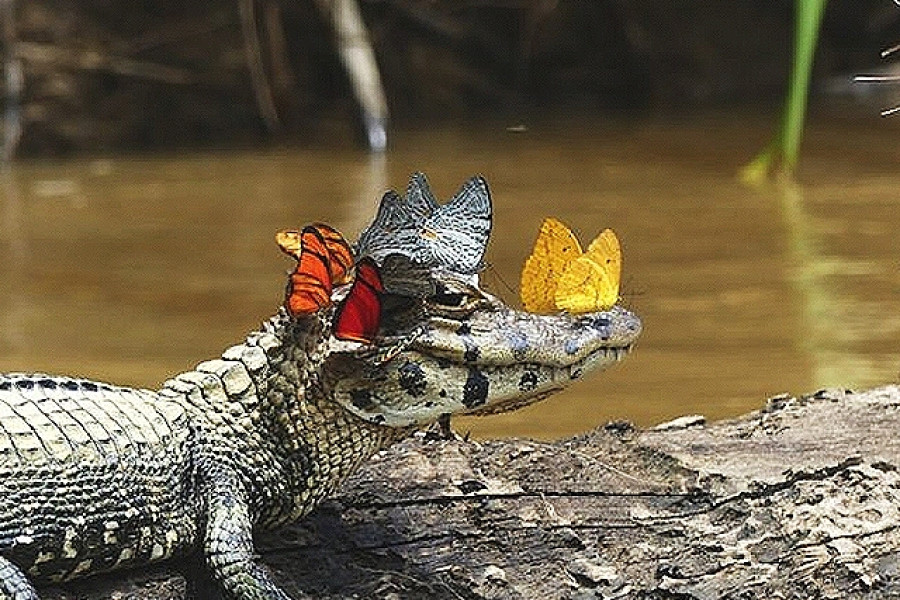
559,276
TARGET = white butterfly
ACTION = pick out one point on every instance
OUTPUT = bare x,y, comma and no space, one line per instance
452,236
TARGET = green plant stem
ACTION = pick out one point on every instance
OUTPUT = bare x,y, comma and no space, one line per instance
785,147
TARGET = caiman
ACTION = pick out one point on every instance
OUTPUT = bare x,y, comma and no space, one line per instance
96,477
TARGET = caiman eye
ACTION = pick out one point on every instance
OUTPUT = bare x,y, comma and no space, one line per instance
452,300
449,299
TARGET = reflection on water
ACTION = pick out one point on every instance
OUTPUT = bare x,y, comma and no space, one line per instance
840,331
11,331
130,270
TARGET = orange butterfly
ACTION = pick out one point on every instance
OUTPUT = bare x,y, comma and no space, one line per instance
324,259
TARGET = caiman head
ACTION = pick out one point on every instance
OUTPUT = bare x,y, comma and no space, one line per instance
445,346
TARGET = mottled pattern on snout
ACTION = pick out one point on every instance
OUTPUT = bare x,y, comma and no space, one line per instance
490,361
504,336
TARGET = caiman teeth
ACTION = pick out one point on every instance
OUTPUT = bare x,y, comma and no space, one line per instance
617,352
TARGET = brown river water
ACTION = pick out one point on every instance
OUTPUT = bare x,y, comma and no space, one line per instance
130,269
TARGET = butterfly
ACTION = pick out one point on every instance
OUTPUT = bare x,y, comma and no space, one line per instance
452,236
404,277
358,317
457,233
559,276
324,259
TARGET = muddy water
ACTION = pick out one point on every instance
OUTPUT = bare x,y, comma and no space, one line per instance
131,269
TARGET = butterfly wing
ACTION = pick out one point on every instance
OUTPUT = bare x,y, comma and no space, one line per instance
309,287
289,240
452,236
591,282
420,202
339,254
577,290
555,248
359,315
606,251
395,229
401,275
456,234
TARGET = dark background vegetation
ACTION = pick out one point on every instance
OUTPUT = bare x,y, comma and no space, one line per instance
113,75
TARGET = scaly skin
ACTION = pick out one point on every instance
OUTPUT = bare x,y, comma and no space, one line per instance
95,477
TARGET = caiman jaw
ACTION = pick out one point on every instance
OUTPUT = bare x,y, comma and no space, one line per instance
520,384
493,359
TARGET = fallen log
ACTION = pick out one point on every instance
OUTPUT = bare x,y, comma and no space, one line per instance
800,499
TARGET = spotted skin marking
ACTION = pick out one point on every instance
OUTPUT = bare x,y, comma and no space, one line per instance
519,344
528,381
472,352
601,324
412,379
475,391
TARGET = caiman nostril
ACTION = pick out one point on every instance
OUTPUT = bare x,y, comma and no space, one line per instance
600,323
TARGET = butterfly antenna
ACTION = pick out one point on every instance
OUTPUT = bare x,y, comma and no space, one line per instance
629,293
496,274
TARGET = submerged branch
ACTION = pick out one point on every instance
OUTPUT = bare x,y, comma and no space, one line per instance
13,81
264,99
38,54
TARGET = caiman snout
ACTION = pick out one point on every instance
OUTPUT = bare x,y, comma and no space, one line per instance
616,323
492,360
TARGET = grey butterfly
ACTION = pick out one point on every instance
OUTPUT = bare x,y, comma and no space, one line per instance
452,236
393,230
420,200
401,275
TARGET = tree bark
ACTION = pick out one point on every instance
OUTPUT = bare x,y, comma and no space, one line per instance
798,500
